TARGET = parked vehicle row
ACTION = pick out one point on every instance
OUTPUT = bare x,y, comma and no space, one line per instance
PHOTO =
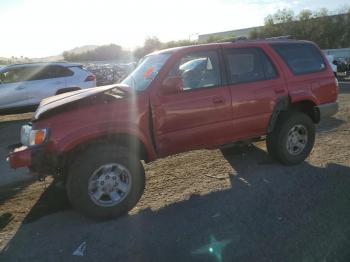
23,86
109,73
195,97
340,66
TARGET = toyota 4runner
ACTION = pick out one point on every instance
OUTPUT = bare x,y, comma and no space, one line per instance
180,99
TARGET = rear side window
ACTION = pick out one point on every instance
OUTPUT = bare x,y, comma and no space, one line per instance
53,71
13,75
301,58
244,65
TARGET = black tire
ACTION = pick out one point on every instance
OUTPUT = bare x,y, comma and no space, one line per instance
83,167
276,141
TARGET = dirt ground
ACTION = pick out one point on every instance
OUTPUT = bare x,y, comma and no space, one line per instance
238,200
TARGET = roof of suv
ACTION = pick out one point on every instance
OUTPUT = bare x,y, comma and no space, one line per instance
64,64
238,42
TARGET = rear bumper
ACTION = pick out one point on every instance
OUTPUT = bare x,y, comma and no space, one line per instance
328,110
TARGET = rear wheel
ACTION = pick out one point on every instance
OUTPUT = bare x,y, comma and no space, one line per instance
105,181
292,139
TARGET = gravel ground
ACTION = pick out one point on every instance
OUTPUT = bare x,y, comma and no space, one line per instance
208,205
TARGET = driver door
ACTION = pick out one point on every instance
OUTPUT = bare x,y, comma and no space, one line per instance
200,115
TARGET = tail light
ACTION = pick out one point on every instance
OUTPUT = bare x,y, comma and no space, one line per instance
90,78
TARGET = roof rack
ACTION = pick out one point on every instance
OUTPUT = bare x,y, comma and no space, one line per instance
232,39
244,38
240,38
279,37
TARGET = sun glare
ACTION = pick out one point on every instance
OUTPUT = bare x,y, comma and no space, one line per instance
40,28
43,28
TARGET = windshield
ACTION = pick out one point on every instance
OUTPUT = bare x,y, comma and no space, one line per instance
146,71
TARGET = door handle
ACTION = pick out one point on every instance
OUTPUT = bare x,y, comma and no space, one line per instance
20,87
218,100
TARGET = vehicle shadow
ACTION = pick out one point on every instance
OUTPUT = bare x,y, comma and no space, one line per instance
10,133
270,213
10,136
344,88
5,219
329,124
53,200
7,192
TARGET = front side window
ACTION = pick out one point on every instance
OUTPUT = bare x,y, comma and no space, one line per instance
9,76
301,58
244,65
17,74
198,70
146,71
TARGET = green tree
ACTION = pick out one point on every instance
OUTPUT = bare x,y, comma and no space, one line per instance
222,38
177,43
101,53
150,45
327,29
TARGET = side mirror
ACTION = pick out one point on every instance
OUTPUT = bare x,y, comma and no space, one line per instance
172,85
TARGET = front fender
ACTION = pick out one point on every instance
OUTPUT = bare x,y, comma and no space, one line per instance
86,134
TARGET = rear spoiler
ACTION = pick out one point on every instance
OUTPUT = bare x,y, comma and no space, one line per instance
78,66
75,65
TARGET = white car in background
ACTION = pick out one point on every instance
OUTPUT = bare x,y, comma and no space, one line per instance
23,86
330,59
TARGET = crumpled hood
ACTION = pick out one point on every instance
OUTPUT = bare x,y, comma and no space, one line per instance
66,98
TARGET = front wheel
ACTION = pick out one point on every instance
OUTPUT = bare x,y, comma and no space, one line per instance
292,139
105,181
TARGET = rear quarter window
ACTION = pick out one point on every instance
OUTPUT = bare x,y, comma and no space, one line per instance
301,58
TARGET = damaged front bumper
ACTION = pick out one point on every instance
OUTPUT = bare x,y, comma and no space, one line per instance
32,157
20,157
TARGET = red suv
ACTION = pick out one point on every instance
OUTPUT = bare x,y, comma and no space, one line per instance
180,99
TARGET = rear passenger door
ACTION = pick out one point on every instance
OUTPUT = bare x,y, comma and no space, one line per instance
255,85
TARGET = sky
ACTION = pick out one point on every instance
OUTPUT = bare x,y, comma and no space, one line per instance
39,28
